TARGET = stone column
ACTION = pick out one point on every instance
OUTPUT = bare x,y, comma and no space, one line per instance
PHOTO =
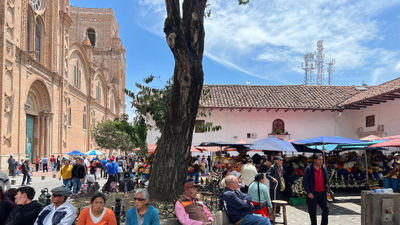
42,134
48,117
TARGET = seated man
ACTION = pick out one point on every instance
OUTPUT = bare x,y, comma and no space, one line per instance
189,210
238,205
60,211
26,210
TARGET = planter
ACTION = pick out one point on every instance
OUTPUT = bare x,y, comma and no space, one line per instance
297,201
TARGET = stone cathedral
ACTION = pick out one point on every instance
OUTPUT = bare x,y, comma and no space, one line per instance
62,70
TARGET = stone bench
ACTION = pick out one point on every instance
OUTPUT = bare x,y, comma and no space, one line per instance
220,218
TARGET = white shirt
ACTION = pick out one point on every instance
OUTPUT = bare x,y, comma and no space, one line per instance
87,163
248,172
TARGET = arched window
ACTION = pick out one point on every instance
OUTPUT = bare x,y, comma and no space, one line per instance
112,104
278,127
38,38
84,118
69,112
98,91
28,31
92,36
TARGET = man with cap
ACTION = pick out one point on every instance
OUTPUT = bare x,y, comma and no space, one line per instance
60,212
78,174
189,210
275,175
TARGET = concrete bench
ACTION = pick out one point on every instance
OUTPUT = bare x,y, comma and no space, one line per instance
220,218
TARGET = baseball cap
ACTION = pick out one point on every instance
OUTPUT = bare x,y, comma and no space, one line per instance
63,191
278,158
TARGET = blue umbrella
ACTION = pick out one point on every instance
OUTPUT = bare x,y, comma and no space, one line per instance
94,152
323,140
272,143
75,152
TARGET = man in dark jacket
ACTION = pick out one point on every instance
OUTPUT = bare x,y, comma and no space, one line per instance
238,205
274,175
26,211
315,182
78,174
25,169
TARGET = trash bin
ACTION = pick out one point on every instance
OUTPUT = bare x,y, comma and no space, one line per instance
380,208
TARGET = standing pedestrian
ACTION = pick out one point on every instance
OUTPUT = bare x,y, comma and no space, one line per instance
58,163
10,166
66,174
277,183
44,164
52,162
249,172
37,163
315,182
78,174
25,169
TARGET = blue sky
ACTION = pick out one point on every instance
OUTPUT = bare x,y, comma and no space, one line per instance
264,42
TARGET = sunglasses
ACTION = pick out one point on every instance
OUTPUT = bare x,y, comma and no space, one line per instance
139,199
56,196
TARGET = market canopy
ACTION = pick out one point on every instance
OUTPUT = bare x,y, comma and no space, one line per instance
272,143
390,143
221,145
304,148
151,148
94,152
75,152
390,137
323,140
370,138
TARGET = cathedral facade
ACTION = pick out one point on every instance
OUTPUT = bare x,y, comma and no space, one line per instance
62,70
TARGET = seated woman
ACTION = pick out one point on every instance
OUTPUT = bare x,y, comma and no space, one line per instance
143,213
260,195
97,213
5,206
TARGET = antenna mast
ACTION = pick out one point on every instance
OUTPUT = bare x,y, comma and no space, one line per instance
331,68
320,63
308,67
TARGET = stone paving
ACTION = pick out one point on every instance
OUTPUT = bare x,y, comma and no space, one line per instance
345,211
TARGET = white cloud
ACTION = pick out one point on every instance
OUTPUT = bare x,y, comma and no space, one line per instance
275,31
397,67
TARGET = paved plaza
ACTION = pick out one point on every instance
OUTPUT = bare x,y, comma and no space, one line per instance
345,211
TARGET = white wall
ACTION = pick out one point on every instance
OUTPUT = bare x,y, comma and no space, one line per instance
299,124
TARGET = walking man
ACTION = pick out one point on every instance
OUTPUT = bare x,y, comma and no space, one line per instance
66,174
25,169
78,174
10,166
44,164
315,182
275,176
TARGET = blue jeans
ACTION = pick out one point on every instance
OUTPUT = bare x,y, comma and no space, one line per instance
255,220
25,178
67,183
77,185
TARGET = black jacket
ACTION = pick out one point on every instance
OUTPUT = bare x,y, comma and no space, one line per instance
24,214
78,171
6,207
309,180
274,173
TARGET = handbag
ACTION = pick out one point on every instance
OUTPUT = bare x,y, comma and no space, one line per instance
261,205
283,186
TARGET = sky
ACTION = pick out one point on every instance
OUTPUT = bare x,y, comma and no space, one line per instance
264,42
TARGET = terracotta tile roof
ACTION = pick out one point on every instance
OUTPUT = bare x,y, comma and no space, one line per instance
373,91
282,97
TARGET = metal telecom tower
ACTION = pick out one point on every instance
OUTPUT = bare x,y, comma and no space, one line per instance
320,63
317,60
308,68
331,68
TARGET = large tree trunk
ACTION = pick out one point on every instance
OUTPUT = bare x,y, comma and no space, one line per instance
185,37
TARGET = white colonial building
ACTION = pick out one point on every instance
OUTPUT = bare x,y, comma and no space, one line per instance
298,111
